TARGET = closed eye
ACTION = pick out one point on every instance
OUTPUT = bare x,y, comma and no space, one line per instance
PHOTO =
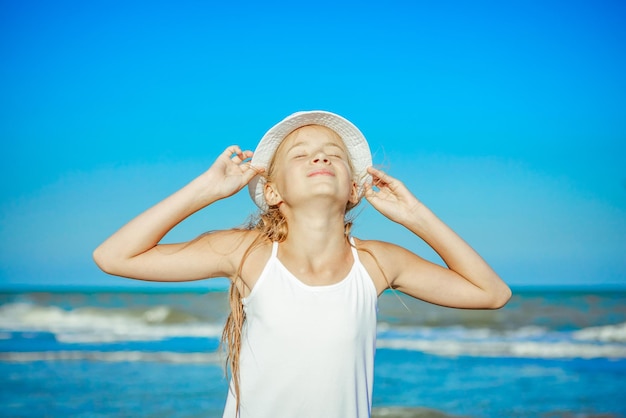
332,150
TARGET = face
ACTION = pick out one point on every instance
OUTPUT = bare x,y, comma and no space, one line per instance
311,161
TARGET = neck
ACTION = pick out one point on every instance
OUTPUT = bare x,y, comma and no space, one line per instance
315,231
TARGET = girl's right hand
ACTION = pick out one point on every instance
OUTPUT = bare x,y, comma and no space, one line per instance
230,172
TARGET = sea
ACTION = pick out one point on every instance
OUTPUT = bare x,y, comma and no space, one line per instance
155,353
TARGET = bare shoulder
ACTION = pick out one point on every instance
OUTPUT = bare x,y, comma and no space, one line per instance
234,245
245,251
384,252
379,259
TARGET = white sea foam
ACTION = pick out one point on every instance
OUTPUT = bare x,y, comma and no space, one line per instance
607,333
514,349
99,325
465,334
525,342
111,356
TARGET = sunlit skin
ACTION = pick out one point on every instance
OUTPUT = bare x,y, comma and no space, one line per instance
312,183
312,162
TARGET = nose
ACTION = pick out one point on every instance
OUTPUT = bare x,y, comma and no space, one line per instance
320,157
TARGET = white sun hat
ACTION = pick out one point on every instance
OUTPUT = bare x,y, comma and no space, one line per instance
356,144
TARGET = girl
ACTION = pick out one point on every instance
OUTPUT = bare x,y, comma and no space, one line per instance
302,328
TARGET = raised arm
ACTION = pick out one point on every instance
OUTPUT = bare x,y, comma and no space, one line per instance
134,250
468,282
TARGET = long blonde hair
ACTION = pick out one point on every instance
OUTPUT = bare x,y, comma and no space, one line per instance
272,227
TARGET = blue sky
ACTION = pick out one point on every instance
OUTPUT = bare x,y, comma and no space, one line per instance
508,119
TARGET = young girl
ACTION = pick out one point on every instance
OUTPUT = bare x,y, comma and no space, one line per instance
302,328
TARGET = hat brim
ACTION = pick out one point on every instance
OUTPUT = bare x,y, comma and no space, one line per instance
354,140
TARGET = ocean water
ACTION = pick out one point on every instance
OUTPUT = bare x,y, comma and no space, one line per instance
553,353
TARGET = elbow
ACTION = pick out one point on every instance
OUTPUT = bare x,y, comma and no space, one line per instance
501,297
103,261
99,259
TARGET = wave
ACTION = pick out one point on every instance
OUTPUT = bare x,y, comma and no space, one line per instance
19,322
112,356
526,342
100,325
607,333
508,349
598,334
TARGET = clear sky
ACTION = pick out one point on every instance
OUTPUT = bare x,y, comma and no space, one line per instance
508,119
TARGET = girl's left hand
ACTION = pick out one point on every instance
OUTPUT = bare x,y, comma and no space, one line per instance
392,198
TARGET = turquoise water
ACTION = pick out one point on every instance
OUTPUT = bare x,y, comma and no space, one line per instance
547,353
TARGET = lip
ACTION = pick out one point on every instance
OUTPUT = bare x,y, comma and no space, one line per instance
321,172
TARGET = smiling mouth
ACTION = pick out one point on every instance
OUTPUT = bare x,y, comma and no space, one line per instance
321,173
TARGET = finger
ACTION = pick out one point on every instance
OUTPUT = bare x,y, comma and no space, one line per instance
250,172
246,156
239,156
381,175
384,180
376,175
375,172
368,191
231,150
379,182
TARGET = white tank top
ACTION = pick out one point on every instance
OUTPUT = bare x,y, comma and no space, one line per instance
307,351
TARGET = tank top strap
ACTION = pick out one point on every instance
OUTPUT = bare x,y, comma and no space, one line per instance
274,250
355,253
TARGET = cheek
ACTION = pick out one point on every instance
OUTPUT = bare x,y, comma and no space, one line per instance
348,170
281,175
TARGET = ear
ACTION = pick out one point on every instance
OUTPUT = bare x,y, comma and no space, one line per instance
272,196
355,196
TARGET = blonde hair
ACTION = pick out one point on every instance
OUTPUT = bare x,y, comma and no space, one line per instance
272,227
